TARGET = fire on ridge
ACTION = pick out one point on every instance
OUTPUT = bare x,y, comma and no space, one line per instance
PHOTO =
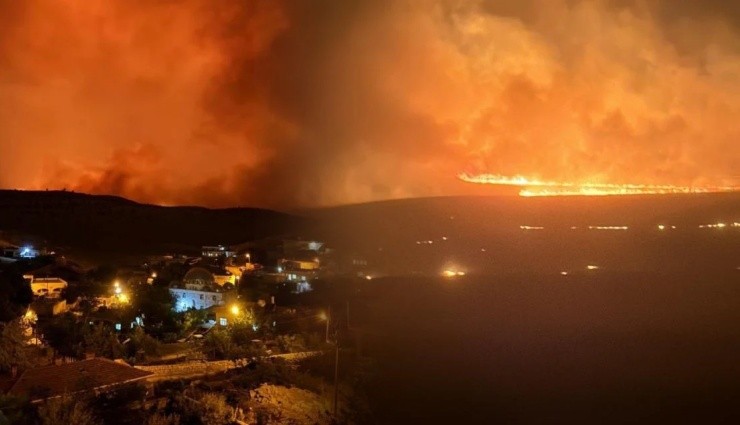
535,187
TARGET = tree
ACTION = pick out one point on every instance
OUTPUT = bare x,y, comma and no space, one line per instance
65,335
104,274
12,346
15,295
140,341
103,342
155,303
63,410
217,344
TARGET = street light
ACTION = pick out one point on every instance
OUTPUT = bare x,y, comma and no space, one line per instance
235,310
326,318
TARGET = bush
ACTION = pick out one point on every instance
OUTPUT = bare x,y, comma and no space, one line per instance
161,419
140,341
65,411
214,409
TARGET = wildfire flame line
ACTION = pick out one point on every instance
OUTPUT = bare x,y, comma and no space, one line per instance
536,187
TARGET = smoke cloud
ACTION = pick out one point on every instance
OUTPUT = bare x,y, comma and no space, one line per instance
285,103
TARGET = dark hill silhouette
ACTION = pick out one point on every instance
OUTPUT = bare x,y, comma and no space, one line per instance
484,234
114,224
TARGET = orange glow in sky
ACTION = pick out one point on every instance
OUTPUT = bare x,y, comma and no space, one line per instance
282,103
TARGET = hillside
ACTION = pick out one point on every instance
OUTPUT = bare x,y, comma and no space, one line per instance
113,224
484,233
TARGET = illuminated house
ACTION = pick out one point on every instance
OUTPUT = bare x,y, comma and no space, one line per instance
223,277
47,286
187,298
197,290
299,264
17,252
216,251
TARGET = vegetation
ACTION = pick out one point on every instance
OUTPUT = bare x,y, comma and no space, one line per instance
12,346
162,419
15,295
64,410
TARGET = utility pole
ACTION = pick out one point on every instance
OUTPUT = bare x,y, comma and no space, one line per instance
336,376
347,314
328,319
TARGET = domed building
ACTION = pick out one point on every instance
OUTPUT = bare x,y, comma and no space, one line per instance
197,291
198,276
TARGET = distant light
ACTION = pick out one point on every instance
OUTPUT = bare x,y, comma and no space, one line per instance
717,225
235,310
564,273
483,250
450,273
608,227
323,316
444,238
280,269
661,227
531,227
154,275
592,267
117,290
369,277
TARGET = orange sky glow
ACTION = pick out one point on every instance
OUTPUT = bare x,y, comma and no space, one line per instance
283,103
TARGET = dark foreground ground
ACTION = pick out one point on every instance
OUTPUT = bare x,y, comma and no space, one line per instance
590,348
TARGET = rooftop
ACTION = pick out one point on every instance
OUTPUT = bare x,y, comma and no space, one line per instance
85,375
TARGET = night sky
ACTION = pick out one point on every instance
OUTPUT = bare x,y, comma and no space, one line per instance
316,102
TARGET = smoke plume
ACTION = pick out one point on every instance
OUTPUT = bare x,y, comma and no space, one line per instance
286,103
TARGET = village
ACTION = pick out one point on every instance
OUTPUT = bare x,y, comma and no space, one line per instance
233,334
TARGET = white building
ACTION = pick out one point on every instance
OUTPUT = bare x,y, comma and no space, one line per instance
186,298
216,251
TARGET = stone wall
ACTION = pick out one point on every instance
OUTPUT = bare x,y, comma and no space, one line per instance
194,369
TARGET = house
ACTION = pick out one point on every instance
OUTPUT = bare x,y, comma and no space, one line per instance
299,264
216,251
197,296
47,286
8,250
223,277
205,277
92,375
12,251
